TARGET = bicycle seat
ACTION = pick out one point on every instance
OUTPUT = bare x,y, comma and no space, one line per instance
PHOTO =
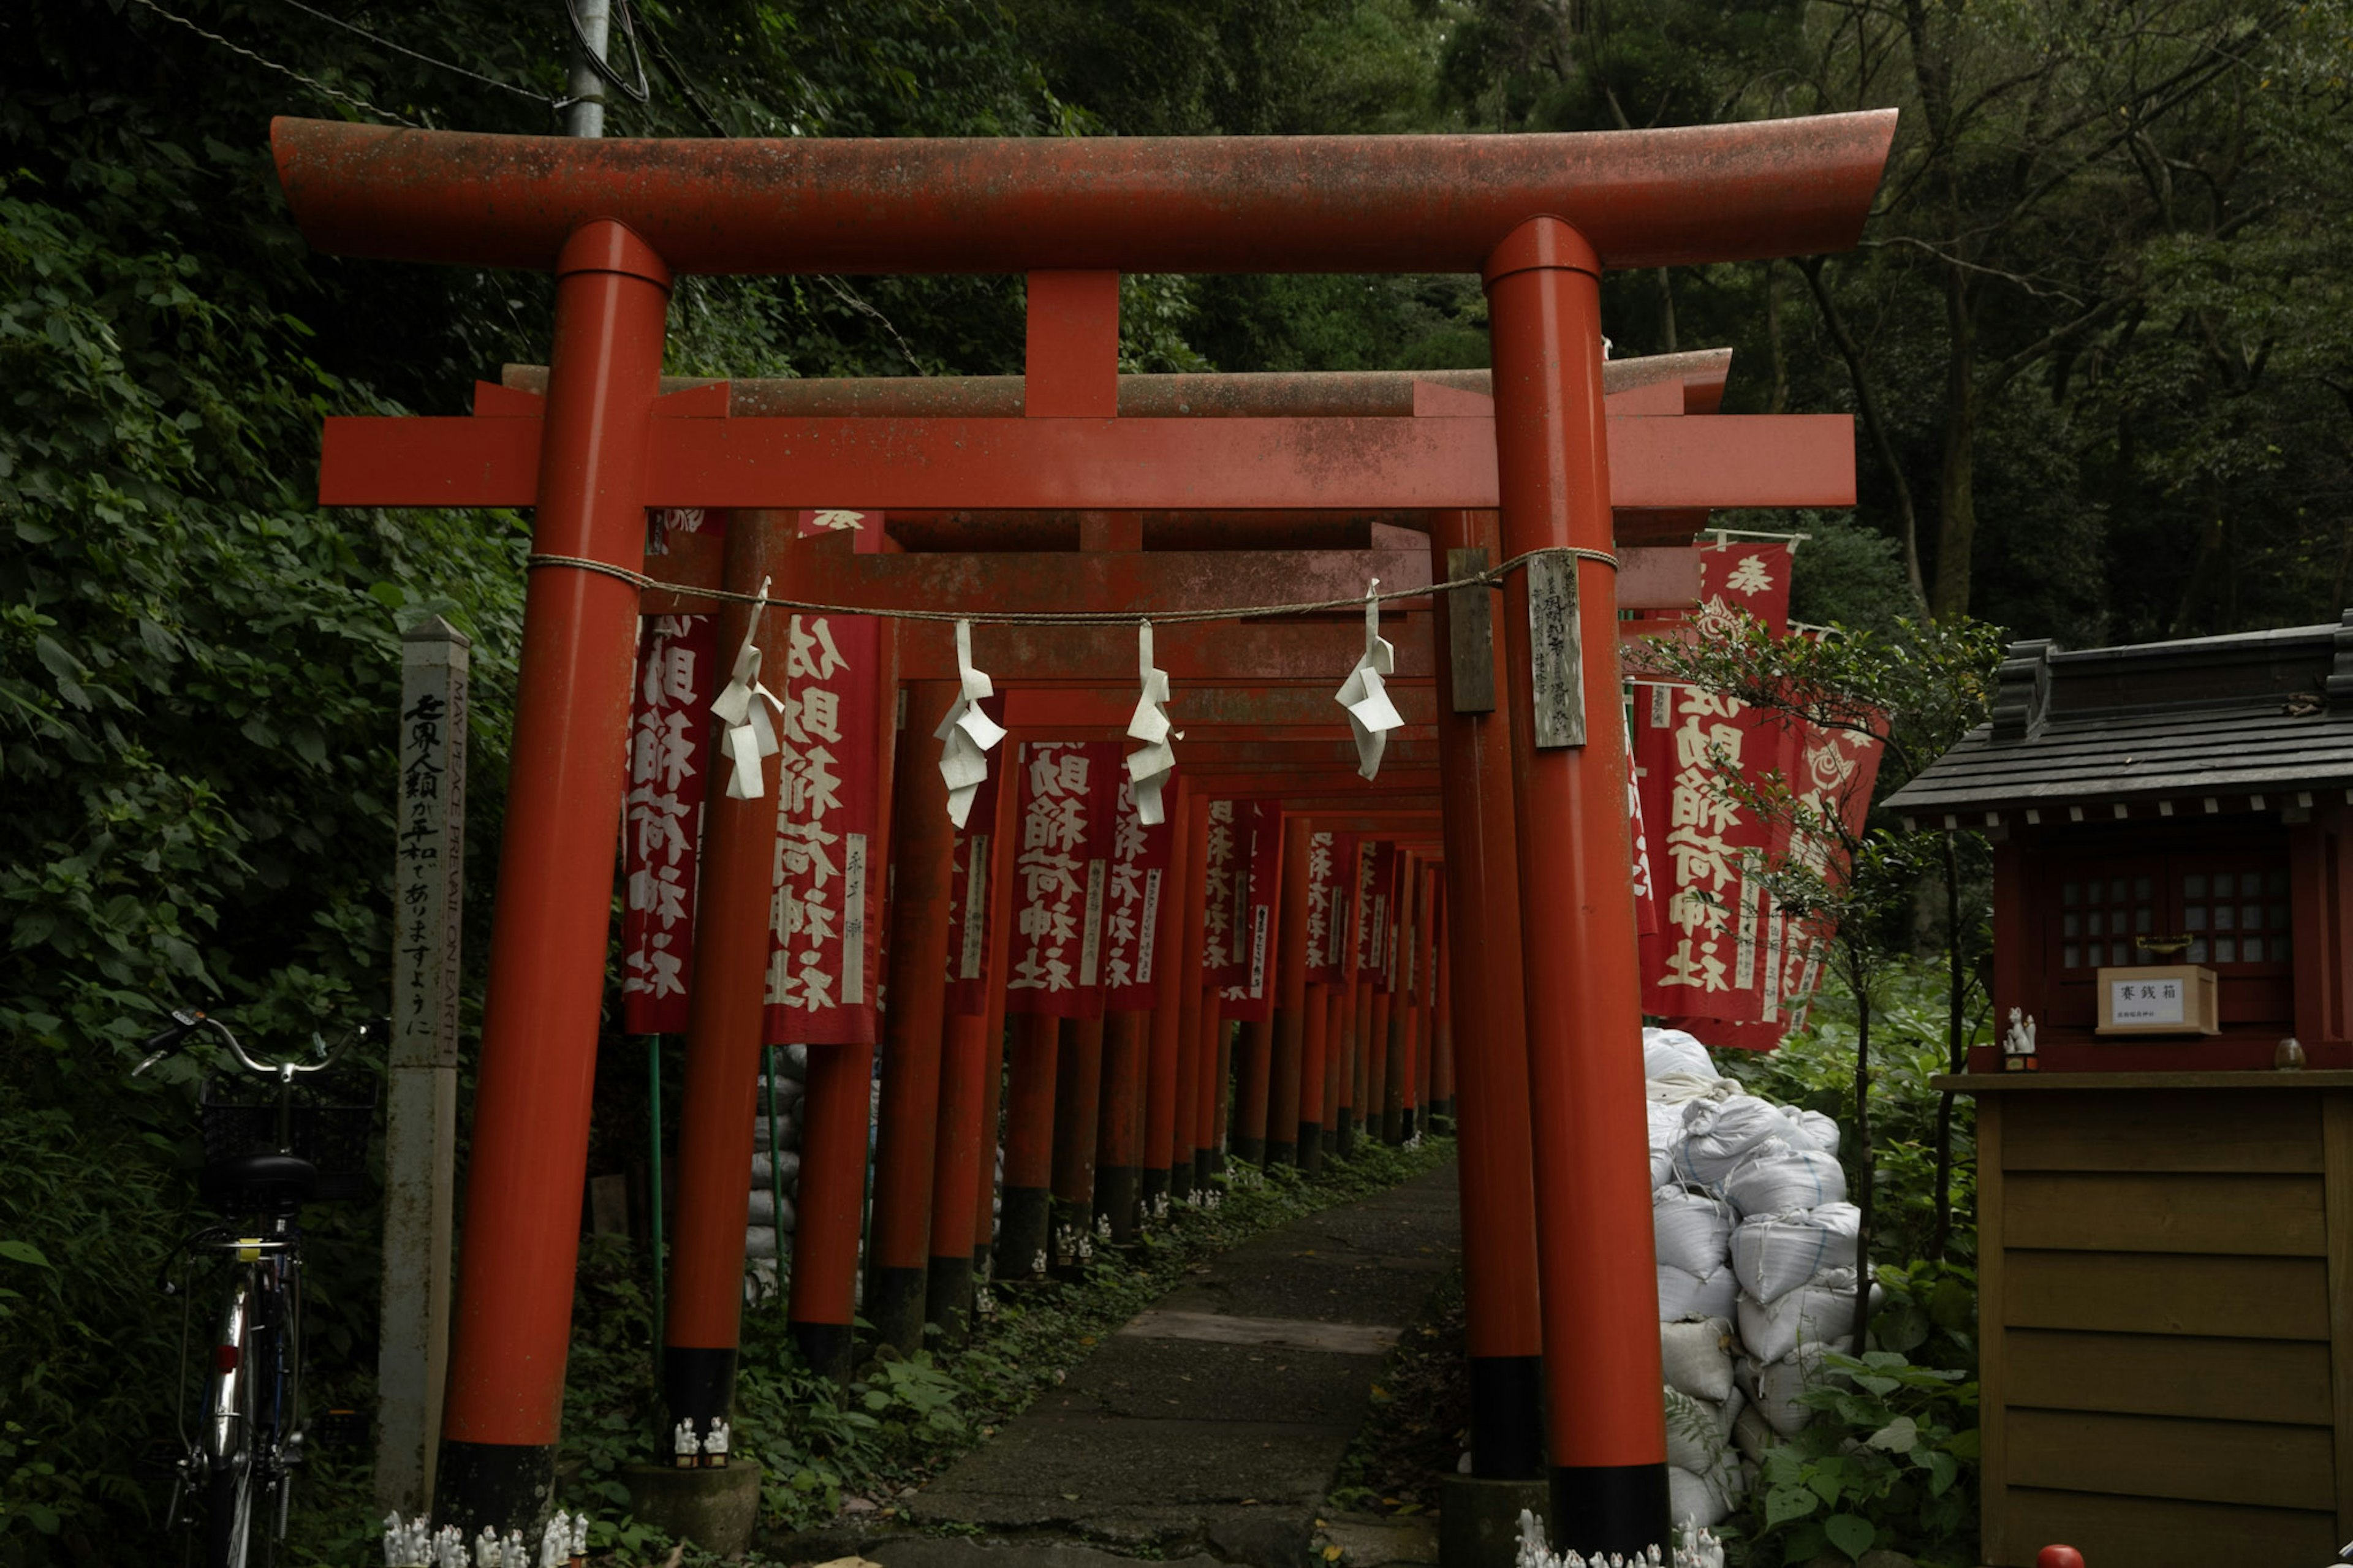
270,1183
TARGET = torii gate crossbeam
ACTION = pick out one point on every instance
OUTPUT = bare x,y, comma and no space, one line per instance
1538,216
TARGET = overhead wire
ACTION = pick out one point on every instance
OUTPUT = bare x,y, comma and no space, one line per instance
637,91
418,55
314,83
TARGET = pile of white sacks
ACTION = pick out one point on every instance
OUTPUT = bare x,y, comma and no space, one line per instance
1757,1268
767,1236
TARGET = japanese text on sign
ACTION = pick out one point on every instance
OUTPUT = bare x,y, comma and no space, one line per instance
826,788
662,820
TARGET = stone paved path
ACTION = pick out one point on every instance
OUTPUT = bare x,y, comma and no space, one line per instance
1211,1424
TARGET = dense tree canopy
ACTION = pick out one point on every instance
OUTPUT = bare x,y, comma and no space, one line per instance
2097,337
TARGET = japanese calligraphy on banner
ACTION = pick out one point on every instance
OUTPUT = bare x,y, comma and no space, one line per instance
1139,865
1726,961
822,930
1734,577
1704,961
1225,946
1251,999
1375,909
970,893
670,742
1646,897
1062,874
1331,904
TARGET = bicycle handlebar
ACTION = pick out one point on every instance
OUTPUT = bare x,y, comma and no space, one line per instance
187,1021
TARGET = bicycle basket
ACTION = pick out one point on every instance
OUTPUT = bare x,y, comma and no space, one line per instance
329,1125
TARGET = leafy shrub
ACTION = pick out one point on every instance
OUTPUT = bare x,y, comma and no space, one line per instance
1891,1462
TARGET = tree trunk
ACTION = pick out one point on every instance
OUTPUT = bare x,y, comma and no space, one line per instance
1860,978
1957,495
1956,1047
1874,423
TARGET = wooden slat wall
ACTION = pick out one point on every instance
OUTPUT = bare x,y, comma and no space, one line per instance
2165,1382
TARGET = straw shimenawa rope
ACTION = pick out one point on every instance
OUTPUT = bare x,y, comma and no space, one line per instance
1491,578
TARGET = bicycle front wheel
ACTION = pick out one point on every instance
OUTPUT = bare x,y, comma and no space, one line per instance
228,1520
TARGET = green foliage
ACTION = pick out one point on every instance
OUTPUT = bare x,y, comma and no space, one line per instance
1814,1068
1891,1462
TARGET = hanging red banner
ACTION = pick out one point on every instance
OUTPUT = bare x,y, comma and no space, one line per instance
1251,999
1725,962
1748,575
1710,957
1139,864
1225,944
1061,873
1735,576
670,742
1331,867
1646,898
1376,910
823,962
969,890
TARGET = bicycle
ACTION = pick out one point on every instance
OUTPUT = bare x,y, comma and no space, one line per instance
262,1162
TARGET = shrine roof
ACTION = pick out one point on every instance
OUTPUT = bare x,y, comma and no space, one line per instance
2230,722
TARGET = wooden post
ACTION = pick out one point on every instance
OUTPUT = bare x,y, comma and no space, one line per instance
420,1133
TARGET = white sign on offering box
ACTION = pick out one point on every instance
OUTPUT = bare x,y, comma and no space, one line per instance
2146,1002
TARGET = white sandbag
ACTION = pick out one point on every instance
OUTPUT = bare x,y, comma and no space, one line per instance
1693,1231
1820,1312
1717,1132
1682,1294
1752,1434
1666,1131
760,1241
788,1162
1698,1358
764,1210
1775,1177
1693,1497
1695,1433
1774,1254
1780,1382
1811,1129
1666,1051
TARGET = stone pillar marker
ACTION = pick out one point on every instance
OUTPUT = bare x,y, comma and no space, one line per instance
421,1071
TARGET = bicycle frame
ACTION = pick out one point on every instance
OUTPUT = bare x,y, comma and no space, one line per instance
251,1423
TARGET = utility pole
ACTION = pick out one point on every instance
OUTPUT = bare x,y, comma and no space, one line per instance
592,21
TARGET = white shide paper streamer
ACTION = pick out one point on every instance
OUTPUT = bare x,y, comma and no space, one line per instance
750,735
1149,765
1371,714
966,734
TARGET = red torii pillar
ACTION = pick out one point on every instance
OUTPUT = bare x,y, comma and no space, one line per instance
1490,1027
1584,1019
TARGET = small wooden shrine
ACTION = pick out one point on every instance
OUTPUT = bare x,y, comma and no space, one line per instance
2164,1198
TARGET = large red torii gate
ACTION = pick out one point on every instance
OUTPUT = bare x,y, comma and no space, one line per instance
1538,216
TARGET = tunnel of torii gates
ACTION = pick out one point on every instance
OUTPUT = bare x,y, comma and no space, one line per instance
1147,497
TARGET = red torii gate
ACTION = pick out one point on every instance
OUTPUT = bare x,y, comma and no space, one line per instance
1537,216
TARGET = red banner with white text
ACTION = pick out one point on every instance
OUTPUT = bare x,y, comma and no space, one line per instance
1331,865
1139,865
1069,798
669,754
969,889
1251,999
824,927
